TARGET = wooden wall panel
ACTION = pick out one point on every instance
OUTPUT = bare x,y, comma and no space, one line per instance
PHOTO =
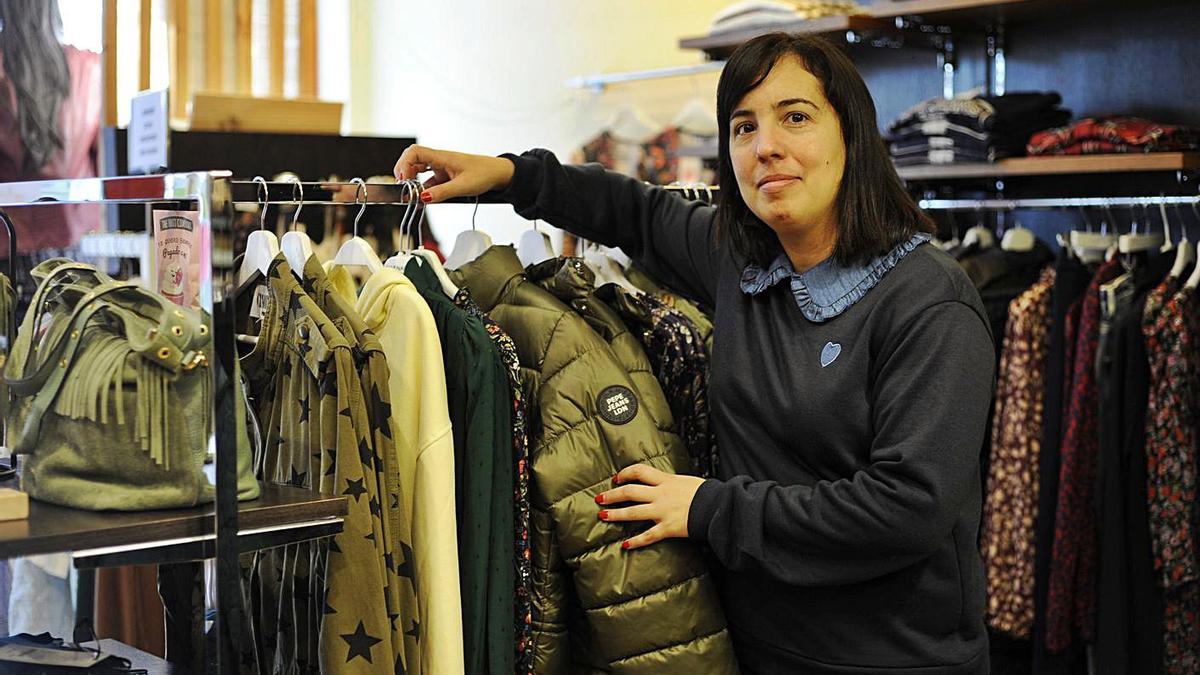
214,45
181,85
110,62
144,22
308,48
244,63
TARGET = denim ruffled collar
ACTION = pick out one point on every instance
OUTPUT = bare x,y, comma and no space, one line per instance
828,289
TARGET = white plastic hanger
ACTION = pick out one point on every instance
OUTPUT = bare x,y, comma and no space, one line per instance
534,246
1185,251
469,245
979,235
1137,242
696,118
1091,247
630,125
412,217
262,245
1018,239
296,245
356,252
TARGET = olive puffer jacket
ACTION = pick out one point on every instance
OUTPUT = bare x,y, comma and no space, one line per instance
597,608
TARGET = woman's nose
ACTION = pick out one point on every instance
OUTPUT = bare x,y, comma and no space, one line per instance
766,144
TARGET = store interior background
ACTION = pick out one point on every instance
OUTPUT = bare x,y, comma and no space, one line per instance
491,76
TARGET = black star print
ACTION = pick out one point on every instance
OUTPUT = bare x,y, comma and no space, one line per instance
405,569
415,632
294,302
279,440
309,284
360,643
400,666
355,488
370,537
345,412
395,501
298,478
375,507
332,462
383,412
273,271
328,386
364,453
392,618
389,560
378,461
305,409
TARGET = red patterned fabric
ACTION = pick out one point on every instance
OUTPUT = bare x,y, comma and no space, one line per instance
1071,601
1113,134
1171,326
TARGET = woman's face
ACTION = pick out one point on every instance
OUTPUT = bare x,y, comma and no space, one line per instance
785,142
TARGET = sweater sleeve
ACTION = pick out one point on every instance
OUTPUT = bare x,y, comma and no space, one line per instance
670,236
931,398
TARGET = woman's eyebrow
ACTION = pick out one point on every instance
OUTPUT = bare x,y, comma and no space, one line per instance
794,101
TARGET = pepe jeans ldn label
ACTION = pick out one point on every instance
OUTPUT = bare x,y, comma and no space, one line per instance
617,404
178,266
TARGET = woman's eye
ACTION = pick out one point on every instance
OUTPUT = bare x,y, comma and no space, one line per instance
743,128
797,117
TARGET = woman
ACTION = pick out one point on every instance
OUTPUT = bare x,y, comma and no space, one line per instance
850,378
49,127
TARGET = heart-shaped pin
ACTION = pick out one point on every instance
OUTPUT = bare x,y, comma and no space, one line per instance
830,353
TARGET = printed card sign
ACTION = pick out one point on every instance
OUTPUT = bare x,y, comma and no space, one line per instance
176,244
147,135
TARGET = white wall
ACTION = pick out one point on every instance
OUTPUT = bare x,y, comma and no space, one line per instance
489,76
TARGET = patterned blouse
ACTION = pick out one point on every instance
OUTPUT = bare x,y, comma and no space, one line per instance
1011,505
1171,325
1071,599
524,561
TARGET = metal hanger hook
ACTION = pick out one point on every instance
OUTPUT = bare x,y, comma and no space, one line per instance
297,186
262,201
362,188
475,212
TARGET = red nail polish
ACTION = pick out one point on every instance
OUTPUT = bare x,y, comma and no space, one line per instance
616,479
625,545
604,515
599,499
426,197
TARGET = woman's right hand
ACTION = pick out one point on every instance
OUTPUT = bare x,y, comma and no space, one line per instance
455,174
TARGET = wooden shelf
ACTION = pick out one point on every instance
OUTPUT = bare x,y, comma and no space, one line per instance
1055,165
728,41
280,513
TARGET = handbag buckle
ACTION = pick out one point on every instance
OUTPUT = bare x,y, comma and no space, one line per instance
197,360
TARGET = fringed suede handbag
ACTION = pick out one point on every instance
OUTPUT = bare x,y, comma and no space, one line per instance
113,395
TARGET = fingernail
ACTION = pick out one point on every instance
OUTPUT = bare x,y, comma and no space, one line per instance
625,545
426,197
599,499
604,515
616,479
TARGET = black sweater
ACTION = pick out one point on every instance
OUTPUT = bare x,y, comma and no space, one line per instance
845,513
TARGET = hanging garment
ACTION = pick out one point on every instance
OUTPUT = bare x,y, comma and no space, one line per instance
328,603
1070,280
701,319
595,606
1009,119
1010,508
523,561
1128,602
374,377
394,310
478,395
569,280
1071,604
1171,330
677,356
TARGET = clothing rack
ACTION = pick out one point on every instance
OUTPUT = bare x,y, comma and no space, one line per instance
1052,203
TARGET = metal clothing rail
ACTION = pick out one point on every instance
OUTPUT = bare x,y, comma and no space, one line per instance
599,82
1052,203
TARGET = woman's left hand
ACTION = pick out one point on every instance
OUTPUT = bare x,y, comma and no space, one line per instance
661,497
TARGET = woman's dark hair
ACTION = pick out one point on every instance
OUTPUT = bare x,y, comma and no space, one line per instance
874,211
36,64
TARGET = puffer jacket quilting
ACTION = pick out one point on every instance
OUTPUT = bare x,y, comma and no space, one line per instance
596,606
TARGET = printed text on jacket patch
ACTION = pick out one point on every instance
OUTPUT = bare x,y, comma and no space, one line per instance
617,404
